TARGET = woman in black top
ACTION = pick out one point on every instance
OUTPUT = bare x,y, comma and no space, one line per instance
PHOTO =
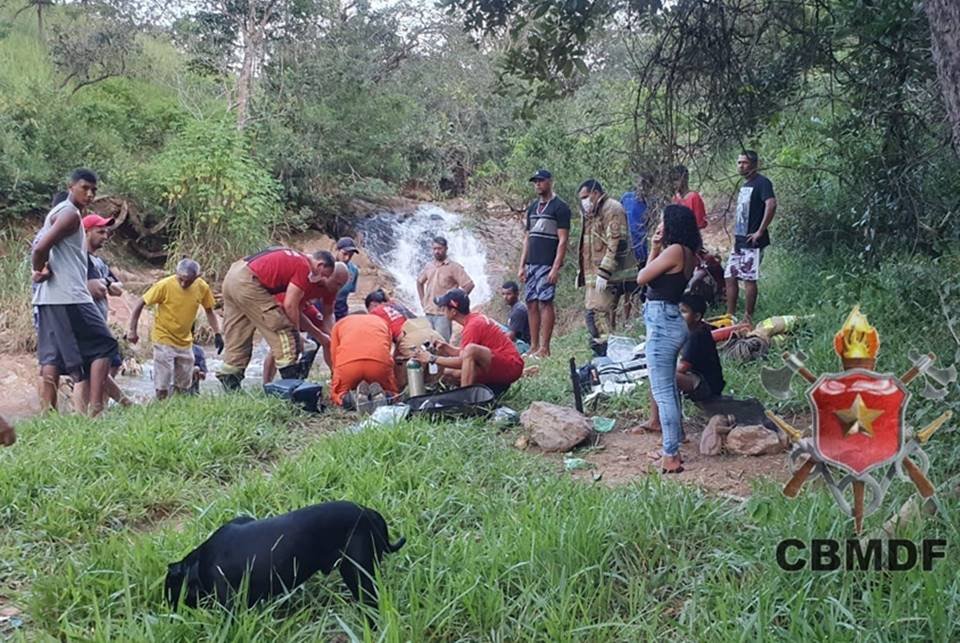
669,267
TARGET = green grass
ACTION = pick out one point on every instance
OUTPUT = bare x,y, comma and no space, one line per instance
500,544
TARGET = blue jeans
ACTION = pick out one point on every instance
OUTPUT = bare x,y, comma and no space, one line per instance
442,325
666,333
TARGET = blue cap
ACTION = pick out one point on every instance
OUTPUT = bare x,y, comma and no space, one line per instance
541,175
456,299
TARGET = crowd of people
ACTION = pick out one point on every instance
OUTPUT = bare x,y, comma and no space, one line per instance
616,262
290,298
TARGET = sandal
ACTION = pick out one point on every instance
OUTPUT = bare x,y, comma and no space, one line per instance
671,464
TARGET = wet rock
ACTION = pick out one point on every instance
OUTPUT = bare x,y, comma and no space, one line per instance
753,440
555,428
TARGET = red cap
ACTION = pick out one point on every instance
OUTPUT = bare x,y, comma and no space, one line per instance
96,221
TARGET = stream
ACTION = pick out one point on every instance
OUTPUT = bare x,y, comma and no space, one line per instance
400,243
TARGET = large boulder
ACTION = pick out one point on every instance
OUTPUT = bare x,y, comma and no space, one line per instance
555,428
753,440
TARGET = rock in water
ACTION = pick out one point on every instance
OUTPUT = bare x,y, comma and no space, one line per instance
753,440
555,428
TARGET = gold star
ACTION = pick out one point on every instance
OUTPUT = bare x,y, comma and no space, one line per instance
858,418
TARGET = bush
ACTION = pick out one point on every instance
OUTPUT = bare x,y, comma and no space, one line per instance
219,201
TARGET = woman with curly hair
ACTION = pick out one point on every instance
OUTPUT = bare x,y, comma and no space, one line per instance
672,259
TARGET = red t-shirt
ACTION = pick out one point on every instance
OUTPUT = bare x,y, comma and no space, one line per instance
480,329
276,269
310,311
695,203
394,316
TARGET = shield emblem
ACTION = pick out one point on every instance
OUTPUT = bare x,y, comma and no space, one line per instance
858,419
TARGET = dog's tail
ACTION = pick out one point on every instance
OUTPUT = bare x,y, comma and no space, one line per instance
392,547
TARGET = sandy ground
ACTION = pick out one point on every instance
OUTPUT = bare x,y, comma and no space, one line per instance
621,457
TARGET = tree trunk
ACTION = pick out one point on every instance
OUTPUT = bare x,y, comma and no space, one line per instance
251,53
944,19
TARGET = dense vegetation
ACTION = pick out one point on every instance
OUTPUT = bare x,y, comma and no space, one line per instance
222,121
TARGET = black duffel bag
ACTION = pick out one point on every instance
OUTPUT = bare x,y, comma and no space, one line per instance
470,401
305,394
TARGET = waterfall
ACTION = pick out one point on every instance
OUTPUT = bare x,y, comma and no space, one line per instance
400,243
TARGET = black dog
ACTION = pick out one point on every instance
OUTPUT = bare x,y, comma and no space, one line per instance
280,553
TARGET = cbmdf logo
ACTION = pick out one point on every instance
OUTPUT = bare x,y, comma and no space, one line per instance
860,440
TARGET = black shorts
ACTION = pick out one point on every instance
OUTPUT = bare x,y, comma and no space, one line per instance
702,391
72,336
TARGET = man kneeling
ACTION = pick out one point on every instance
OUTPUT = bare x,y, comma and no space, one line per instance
699,374
360,351
486,355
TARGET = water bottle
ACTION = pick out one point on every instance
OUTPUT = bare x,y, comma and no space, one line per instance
415,384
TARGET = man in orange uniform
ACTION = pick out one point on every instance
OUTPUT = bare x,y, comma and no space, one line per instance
360,346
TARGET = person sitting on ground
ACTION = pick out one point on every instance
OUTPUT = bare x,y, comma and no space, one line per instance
517,320
360,345
408,331
7,435
101,282
436,278
486,355
199,368
177,299
699,373
346,248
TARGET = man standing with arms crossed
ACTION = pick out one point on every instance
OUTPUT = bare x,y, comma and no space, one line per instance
756,206
72,336
544,248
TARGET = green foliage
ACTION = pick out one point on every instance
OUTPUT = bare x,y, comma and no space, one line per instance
221,203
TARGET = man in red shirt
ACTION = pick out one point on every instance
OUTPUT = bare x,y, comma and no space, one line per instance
683,195
249,305
486,355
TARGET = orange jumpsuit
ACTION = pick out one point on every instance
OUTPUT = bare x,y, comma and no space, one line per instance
360,350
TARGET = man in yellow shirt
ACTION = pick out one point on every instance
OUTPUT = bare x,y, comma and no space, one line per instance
176,298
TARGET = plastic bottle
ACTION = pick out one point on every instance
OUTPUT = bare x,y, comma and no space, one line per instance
415,384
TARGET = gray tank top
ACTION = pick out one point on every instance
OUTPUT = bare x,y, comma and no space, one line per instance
68,264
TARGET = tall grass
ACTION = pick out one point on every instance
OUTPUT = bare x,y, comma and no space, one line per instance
499,546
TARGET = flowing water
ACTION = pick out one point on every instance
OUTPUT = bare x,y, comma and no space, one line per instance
401,243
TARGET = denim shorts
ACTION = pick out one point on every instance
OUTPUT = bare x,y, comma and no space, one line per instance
537,288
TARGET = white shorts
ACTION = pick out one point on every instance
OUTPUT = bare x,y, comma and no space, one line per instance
744,264
172,367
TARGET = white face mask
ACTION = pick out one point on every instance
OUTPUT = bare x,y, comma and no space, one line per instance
586,204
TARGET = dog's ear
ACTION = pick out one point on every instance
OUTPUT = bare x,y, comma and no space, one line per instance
174,584
193,583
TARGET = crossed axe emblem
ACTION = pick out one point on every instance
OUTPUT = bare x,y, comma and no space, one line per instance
777,382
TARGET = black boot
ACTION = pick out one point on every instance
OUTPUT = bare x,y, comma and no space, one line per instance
599,348
230,381
292,372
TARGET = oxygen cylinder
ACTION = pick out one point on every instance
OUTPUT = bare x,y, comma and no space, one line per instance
415,384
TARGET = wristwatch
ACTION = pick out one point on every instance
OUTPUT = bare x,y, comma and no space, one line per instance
433,359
